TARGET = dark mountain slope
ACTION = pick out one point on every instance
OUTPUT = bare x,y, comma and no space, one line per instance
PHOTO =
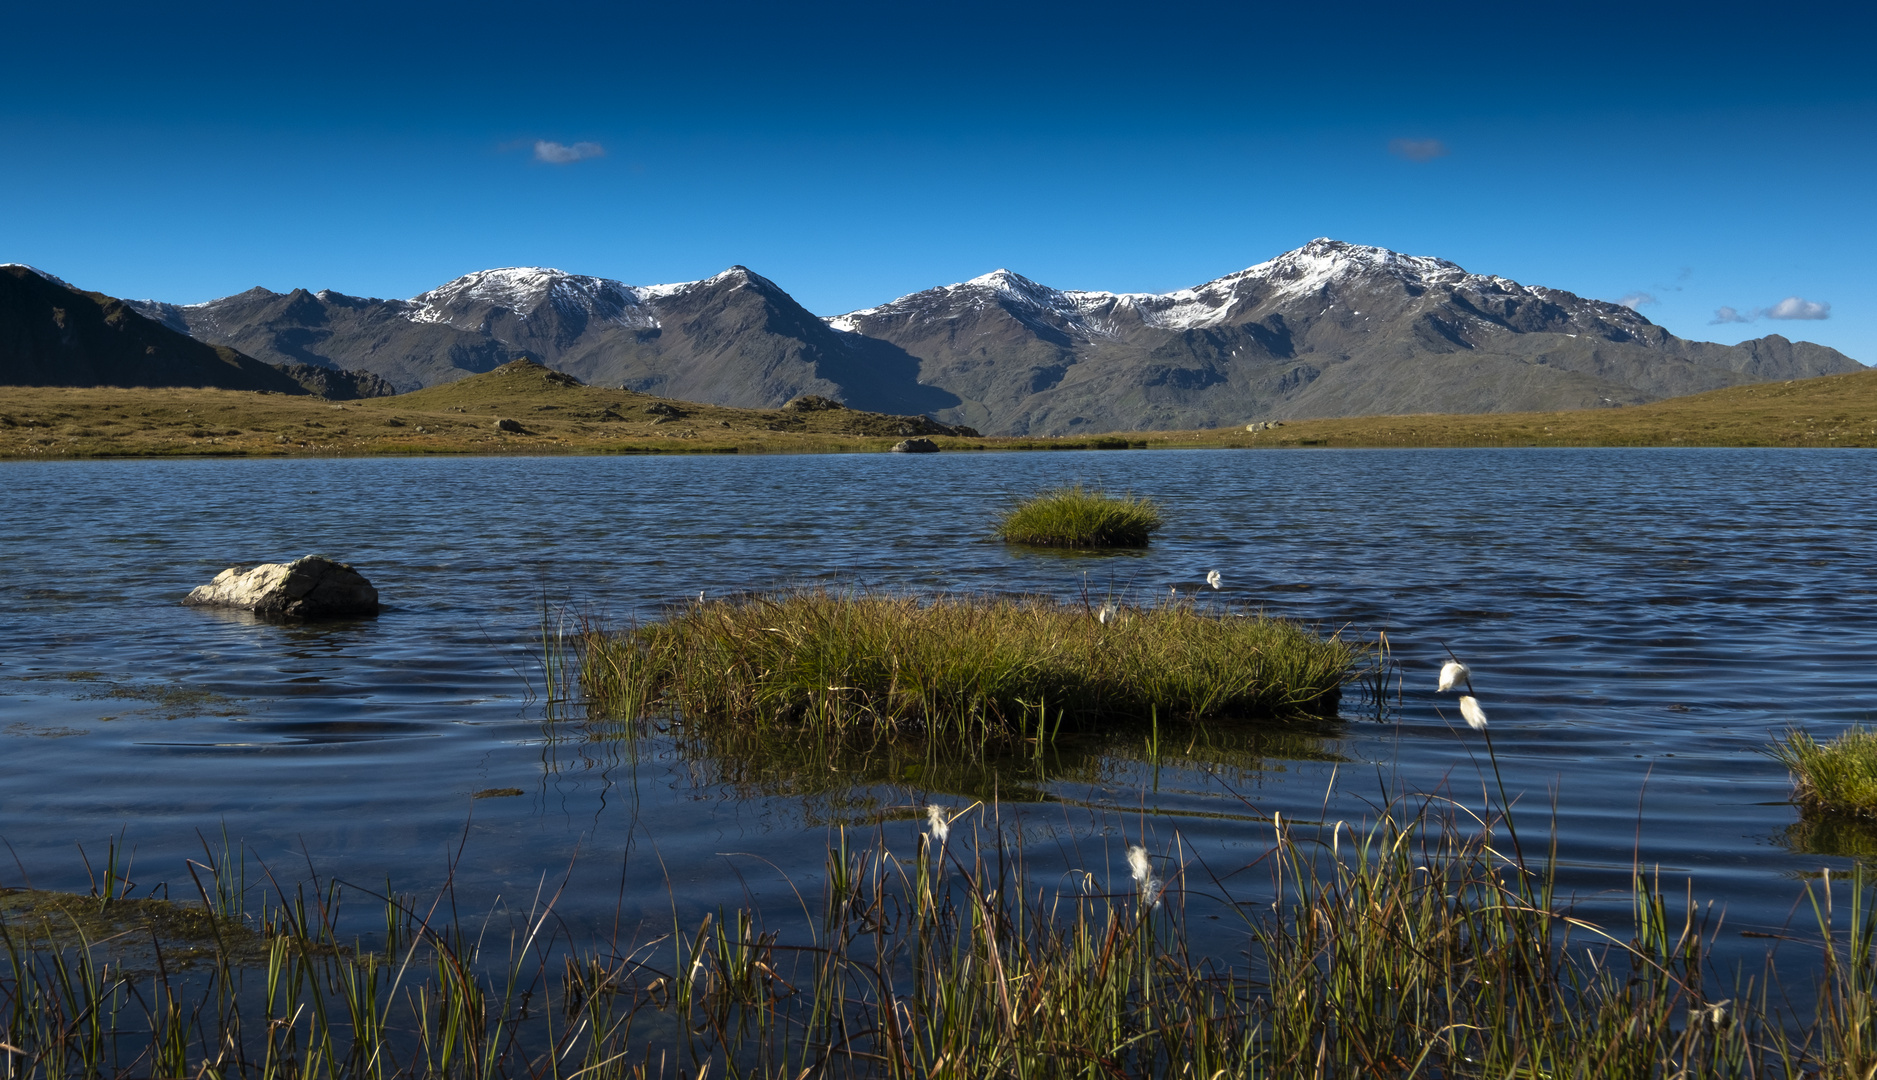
332,330
54,335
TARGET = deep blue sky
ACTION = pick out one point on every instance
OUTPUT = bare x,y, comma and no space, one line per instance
1708,156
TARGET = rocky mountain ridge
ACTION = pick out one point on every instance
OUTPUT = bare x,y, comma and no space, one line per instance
1329,329
731,339
54,334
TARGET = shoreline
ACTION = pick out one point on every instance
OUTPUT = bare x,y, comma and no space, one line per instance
526,410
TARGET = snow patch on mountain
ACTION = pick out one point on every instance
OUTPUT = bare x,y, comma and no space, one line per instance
525,290
53,278
1319,269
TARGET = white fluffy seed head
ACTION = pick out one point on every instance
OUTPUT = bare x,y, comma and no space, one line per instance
1151,890
1215,580
935,818
1108,613
1138,863
1452,673
1475,716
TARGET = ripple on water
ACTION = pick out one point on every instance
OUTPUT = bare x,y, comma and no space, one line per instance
1640,623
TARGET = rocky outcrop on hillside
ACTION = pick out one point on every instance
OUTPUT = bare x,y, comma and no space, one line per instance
338,385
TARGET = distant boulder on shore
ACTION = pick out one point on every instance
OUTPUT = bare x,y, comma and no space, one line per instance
311,587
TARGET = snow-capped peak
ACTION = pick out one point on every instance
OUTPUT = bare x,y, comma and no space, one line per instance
53,278
524,290
1014,286
1322,266
1002,280
1322,261
1318,264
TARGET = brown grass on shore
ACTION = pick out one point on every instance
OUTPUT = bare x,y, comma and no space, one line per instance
549,413
558,416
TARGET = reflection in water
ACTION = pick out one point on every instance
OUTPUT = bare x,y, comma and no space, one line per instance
1839,837
779,761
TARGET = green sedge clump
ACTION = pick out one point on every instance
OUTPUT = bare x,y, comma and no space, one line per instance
1079,517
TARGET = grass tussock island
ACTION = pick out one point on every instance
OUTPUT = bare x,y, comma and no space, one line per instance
960,670
1836,777
554,414
1412,949
1080,517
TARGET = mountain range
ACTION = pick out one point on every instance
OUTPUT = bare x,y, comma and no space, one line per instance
53,334
1330,329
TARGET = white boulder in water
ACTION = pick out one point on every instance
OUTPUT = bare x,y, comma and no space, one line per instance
311,587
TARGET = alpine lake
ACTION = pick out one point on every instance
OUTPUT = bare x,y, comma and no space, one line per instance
1640,624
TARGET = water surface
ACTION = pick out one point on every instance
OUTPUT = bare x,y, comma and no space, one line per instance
1640,623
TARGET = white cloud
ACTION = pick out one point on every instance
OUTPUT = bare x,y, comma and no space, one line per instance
561,154
1792,307
1417,149
1797,307
1637,299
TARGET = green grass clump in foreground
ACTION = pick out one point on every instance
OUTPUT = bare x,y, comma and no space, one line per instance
1836,777
1080,517
969,669
1409,947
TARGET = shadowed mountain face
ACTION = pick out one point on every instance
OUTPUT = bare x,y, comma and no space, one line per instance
1331,329
332,330
52,334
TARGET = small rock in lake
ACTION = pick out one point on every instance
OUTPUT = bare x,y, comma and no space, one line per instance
915,446
309,588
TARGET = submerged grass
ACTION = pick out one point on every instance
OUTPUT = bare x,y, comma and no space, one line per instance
1079,517
1835,777
1411,949
965,671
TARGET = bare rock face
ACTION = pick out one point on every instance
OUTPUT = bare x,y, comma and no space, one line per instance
309,588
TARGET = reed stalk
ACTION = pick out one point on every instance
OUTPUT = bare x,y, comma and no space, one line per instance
1396,949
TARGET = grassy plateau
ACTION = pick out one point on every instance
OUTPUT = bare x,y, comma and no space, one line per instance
546,413
557,415
964,671
1080,517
